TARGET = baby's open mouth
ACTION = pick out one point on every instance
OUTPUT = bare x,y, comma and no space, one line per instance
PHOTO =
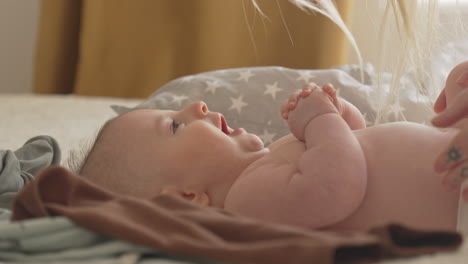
224,126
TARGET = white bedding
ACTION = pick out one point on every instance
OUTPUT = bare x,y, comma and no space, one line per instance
69,119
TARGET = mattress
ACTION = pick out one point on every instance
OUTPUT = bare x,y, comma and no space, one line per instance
71,119
68,118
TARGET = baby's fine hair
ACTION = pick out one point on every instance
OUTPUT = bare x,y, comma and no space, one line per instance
77,157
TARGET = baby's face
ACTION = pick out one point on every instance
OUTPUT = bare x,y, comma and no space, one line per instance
191,148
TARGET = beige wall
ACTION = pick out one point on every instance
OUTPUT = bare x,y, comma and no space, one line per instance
18,30
365,24
18,24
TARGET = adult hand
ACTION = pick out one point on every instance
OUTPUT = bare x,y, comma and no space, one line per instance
453,161
447,116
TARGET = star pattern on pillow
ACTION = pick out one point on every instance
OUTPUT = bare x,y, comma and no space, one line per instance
178,99
305,76
245,75
251,97
272,89
267,137
187,79
211,86
237,104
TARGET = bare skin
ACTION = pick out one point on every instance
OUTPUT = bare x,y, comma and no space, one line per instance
452,163
374,176
330,173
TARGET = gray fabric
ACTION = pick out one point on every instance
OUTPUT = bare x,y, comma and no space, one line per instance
251,97
17,168
59,240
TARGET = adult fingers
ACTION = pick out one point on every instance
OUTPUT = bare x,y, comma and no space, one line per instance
454,154
441,102
454,177
453,113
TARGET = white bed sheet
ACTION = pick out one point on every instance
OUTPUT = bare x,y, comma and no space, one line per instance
70,118
67,118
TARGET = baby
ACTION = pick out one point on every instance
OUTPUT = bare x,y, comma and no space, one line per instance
330,173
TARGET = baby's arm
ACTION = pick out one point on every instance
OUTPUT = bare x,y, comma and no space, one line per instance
348,111
352,115
325,186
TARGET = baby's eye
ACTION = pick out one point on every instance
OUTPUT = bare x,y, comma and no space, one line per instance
175,125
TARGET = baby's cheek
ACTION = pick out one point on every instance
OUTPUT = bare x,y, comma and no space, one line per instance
254,143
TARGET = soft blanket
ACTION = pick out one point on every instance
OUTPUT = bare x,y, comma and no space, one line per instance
173,225
17,168
57,238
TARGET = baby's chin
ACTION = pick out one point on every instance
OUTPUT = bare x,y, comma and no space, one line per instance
255,144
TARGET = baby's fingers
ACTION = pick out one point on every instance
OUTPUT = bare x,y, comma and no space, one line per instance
284,110
290,104
456,153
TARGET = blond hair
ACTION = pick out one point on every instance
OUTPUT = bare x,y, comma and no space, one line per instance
417,25
77,157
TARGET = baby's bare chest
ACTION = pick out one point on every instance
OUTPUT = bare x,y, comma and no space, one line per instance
286,150
402,185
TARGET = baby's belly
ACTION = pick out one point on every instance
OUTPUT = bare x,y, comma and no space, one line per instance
402,186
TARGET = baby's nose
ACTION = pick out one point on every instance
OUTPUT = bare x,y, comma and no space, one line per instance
199,108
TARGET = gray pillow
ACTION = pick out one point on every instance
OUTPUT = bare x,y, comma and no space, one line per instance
251,97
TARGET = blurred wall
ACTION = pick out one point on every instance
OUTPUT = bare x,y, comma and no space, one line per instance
18,27
366,19
365,25
18,31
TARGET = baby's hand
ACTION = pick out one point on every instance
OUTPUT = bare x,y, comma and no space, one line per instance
290,104
306,104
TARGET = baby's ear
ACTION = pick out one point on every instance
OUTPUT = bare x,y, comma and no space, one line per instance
196,196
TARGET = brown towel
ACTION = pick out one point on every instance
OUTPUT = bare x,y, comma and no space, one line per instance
176,226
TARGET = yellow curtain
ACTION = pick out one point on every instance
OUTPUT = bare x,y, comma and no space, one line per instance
129,48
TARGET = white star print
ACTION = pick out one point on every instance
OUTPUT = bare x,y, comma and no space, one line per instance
272,89
237,104
178,99
267,137
211,86
396,110
305,76
187,79
245,75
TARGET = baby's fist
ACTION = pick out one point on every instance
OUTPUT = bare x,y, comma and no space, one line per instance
305,105
291,103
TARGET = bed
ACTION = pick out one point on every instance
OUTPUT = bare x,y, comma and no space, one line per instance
70,119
